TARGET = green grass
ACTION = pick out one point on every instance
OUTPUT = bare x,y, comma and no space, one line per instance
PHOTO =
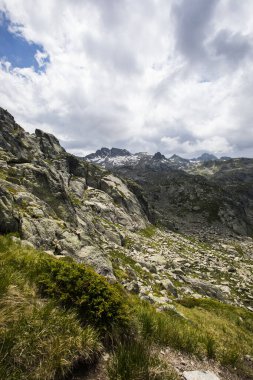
38,339
53,313
148,232
134,360
229,327
169,329
71,284
207,328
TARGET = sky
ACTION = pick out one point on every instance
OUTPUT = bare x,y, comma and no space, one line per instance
174,76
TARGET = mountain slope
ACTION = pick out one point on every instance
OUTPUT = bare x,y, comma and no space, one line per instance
69,207
191,195
188,271
59,202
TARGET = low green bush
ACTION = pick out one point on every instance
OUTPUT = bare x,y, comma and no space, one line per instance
75,285
70,284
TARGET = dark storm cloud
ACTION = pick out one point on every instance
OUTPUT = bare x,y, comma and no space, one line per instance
234,47
192,20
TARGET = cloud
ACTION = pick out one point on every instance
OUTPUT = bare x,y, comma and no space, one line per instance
192,23
42,58
234,47
216,144
146,76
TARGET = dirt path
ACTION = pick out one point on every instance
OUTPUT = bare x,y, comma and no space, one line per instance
180,362
96,373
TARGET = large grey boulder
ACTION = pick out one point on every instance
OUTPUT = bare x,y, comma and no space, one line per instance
169,286
95,258
205,288
200,375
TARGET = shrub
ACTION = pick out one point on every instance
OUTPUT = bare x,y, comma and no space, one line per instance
75,285
70,284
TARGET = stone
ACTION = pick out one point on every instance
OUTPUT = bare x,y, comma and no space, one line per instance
206,288
27,244
199,375
95,258
133,287
168,285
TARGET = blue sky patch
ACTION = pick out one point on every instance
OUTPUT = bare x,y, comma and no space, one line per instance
18,51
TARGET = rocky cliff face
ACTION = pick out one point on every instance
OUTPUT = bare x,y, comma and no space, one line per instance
58,202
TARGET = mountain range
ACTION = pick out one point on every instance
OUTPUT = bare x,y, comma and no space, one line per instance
190,195
118,157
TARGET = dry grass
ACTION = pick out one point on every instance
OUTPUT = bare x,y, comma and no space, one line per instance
38,340
210,329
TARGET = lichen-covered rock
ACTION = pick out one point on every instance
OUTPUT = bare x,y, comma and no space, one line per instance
92,256
207,289
48,143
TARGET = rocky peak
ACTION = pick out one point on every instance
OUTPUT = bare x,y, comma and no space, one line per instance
106,152
18,144
60,203
116,152
103,152
49,144
177,158
5,115
207,157
158,156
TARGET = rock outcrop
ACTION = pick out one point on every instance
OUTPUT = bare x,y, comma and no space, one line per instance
59,202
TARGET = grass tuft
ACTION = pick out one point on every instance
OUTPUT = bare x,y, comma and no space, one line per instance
135,360
40,341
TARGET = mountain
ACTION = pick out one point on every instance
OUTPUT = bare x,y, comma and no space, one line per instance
115,157
189,195
67,206
206,157
177,159
105,152
170,238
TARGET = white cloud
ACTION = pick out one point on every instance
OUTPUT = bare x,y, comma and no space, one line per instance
216,144
134,74
41,58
